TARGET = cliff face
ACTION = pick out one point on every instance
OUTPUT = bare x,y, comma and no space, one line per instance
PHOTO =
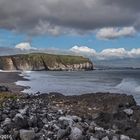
41,61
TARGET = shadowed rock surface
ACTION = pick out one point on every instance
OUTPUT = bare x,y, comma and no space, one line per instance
101,116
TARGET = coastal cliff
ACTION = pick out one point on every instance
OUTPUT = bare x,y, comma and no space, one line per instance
40,61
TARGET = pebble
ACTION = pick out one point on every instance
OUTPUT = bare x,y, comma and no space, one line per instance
128,111
33,118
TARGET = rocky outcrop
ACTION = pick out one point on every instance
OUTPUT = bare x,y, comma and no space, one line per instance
41,61
57,117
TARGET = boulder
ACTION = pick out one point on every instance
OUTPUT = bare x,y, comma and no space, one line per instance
105,138
115,138
67,119
3,89
7,121
7,125
24,111
1,131
129,112
62,133
93,138
32,121
20,121
76,134
123,137
27,134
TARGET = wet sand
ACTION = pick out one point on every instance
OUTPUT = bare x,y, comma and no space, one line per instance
9,78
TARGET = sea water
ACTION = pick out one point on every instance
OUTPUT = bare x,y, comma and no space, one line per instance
81,82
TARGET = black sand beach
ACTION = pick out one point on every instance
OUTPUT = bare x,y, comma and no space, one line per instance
9,78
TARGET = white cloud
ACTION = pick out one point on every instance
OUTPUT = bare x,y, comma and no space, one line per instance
110,53
118,53
83,50
24,46
134,52
113,33
106,54
113,53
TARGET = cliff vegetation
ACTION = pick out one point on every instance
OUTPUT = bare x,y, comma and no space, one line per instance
42,61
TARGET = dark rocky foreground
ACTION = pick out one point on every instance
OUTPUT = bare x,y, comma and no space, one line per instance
57,117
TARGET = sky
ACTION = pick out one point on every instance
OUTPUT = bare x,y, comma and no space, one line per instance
102,29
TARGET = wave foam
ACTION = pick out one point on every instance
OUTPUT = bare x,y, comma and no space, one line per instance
129,84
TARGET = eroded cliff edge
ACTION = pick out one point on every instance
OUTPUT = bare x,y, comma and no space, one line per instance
42,61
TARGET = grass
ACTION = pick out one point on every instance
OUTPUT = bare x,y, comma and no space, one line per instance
51,58
4,96
36,60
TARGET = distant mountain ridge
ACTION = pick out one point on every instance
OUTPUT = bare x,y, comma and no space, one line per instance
43,61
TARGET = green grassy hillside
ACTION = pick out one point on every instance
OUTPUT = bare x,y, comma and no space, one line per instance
40,61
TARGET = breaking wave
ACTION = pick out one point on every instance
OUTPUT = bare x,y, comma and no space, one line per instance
129,85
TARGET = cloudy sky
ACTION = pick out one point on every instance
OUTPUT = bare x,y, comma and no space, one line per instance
99,28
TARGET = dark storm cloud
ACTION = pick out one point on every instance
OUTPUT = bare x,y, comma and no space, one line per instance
125,3
62,16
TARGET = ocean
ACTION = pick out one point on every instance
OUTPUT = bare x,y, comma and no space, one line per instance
125,81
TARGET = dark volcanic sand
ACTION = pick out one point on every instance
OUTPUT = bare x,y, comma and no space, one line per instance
9,78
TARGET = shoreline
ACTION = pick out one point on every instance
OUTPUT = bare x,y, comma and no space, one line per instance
54,116
9,79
